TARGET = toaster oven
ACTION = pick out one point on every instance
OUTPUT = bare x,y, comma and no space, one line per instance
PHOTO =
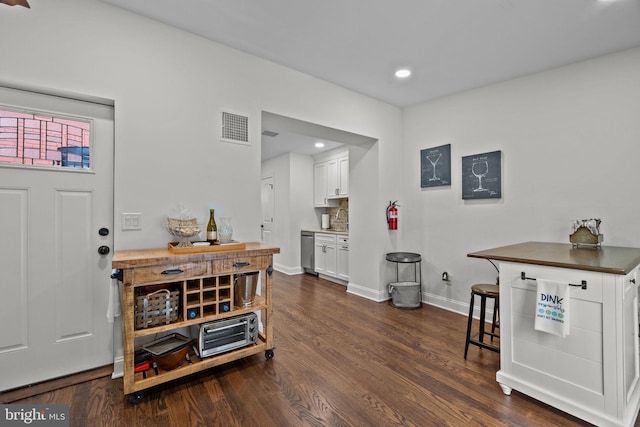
227,334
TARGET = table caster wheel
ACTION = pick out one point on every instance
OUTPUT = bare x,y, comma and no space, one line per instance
136,397
268,354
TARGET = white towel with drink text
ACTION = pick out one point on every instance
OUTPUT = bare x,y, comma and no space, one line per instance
552,308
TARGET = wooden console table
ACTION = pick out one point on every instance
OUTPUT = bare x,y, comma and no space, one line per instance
205,282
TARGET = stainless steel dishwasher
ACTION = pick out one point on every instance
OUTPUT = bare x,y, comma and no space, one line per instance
306,252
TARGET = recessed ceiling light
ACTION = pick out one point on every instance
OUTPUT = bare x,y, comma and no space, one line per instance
403,73
319,144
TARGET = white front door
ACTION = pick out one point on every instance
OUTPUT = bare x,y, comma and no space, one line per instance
54,283
267,199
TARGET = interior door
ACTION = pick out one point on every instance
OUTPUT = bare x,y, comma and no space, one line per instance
55,284
267,198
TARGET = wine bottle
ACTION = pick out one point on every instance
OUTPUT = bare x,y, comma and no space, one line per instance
212,228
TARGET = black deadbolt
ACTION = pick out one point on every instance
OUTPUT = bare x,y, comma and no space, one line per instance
103,231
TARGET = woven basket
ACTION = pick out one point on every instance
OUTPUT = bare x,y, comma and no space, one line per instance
157,308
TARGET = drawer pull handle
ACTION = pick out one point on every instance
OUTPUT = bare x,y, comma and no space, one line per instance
241,264
174,271
582,285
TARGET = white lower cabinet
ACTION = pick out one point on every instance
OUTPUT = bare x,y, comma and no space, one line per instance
325,253
342,260
593,372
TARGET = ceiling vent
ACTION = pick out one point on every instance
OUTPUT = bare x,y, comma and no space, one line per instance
235,128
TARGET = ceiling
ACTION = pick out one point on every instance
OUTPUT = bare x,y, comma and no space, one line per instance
449,45
298,136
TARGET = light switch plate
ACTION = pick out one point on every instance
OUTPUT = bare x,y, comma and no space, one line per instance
131,221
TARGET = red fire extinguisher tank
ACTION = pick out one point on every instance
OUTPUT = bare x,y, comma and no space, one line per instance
392,215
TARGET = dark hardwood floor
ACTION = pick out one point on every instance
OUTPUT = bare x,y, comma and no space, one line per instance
340,360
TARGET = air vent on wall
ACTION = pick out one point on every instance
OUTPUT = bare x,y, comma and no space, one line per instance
235,128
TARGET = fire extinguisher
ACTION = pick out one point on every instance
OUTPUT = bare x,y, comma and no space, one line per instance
392,215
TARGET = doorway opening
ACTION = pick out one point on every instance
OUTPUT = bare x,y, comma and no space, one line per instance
289,156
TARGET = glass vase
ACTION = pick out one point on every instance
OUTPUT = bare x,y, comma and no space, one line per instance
225,230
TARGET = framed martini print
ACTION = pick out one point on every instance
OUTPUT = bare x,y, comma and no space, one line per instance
435,166
481,176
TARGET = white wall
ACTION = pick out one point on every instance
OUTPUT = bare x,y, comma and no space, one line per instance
169,88
570,142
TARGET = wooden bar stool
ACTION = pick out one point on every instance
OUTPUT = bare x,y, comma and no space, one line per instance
484,291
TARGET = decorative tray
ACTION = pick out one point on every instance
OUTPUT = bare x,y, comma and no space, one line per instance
232,246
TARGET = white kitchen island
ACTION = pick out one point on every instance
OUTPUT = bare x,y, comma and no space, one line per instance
593,373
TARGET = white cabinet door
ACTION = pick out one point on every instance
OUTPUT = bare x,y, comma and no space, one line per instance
330,259
325,254
332,178
343,176
320,184
319,258
338,176
342,260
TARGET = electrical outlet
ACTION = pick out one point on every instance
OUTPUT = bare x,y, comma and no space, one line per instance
131,221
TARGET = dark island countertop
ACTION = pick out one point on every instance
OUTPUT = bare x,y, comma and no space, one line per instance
605,259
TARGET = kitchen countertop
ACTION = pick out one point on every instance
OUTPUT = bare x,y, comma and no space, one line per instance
142,257
606,259
329,231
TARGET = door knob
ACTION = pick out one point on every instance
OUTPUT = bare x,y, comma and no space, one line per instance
103,250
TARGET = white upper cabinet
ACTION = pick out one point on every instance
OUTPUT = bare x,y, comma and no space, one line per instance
331,179
320,184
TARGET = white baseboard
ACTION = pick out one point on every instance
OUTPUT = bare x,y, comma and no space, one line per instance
448,304
289,271
368,293
118,367
454,306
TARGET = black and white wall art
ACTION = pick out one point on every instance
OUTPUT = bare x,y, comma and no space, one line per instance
481,176
435,166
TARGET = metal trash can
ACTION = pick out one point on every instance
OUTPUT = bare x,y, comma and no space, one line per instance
244,288
406,294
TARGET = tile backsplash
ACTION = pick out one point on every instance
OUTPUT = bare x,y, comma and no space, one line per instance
342,211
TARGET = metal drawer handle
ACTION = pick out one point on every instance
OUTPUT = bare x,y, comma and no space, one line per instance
174,271
241,264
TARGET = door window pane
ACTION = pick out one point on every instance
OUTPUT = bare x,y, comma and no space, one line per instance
41,139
